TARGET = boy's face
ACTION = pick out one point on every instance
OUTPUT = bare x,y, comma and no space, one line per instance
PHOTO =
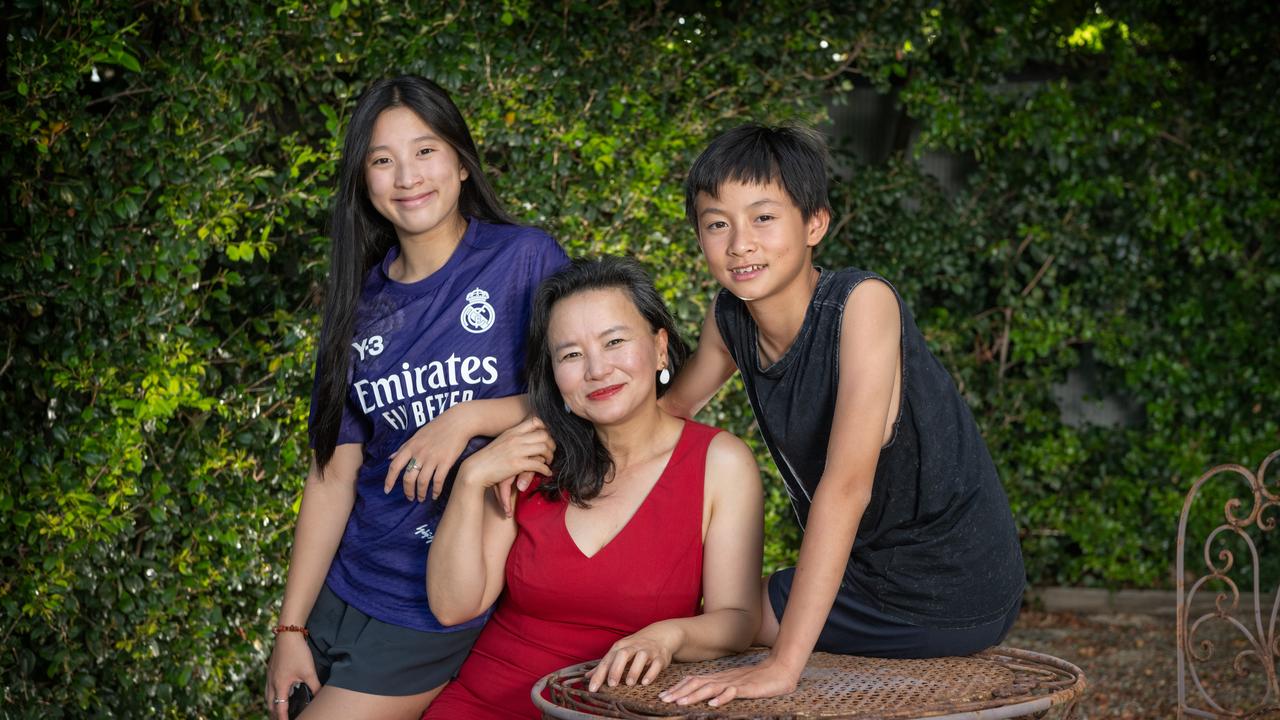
756,241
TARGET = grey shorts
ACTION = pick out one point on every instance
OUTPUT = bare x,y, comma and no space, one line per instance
356,652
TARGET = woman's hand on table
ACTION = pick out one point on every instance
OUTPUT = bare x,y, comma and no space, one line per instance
646,653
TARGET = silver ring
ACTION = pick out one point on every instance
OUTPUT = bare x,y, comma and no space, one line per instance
413,464
278,701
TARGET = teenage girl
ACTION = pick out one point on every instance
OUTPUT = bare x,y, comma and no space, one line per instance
421,350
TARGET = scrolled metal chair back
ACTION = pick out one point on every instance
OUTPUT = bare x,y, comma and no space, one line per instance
1196,698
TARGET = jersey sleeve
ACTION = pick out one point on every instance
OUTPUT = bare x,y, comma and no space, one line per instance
545,257
354,427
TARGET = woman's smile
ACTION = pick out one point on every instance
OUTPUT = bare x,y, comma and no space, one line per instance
605,392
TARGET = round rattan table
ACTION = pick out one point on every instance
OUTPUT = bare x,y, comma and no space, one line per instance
997,683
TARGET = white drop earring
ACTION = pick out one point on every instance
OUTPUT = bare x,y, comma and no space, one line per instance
567,408
664,377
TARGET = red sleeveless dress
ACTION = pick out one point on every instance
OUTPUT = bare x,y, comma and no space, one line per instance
561,607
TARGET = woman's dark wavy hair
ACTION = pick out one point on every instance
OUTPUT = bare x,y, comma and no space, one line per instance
361,236
581,463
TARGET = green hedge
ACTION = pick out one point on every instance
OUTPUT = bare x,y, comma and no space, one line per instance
168,172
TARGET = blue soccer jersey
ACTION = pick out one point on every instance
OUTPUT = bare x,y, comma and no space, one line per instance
419,349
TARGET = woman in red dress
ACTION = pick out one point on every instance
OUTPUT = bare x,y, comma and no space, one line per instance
641,544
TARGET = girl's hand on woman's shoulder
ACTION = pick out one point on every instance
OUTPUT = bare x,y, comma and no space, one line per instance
524,448
647,652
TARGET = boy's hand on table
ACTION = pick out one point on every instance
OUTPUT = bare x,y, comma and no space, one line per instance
769,678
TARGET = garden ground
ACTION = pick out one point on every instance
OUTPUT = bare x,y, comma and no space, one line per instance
1129,660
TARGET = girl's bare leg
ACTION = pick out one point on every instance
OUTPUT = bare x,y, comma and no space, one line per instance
334,703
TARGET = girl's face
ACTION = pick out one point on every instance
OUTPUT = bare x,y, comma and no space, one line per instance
414,176
605,355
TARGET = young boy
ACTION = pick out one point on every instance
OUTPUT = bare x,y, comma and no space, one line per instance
909,546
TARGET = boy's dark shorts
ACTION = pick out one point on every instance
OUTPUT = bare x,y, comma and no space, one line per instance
356,652
856,627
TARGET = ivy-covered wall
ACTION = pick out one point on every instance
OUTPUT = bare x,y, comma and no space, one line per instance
168,168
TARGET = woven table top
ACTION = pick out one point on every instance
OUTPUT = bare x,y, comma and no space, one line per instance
1000,682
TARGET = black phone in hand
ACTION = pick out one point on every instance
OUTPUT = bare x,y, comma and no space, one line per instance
299,696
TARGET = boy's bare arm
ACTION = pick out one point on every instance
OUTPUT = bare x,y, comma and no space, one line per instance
704,373
870,345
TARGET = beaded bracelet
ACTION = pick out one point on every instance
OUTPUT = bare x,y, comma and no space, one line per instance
290,628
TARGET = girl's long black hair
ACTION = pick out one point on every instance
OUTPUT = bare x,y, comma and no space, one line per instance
581,463
361,236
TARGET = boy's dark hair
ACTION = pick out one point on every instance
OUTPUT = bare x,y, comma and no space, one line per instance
795,157
581,463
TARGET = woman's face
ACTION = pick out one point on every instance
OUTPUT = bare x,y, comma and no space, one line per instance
605,355
414,176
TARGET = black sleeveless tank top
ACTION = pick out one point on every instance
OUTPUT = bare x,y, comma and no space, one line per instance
937,545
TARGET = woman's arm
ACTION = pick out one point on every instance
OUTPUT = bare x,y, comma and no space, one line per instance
436,446
731,551
469,552
703,375
326,504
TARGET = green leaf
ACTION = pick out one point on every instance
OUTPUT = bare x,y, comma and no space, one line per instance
128,61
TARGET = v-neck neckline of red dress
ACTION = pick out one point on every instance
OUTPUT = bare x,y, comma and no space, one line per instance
564,511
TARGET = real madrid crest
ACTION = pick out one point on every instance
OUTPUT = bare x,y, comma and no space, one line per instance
478,314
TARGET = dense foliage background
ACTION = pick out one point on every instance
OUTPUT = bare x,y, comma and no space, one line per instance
168,168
